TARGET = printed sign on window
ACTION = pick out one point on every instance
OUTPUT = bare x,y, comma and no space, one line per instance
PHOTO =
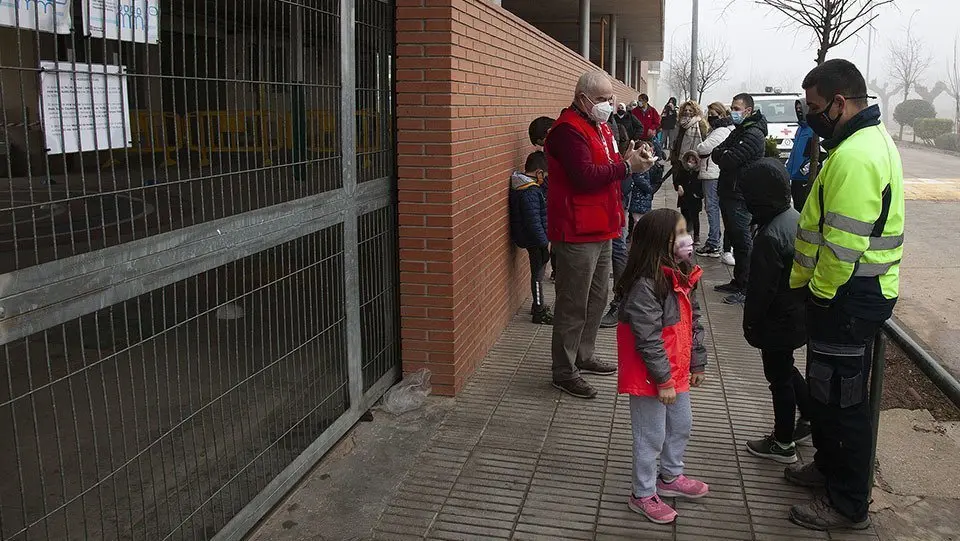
127,20
84,107
43,15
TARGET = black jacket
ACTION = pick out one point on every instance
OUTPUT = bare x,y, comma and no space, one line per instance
773,315
632,125
745,145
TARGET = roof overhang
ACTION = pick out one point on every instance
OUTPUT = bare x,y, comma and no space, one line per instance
641,22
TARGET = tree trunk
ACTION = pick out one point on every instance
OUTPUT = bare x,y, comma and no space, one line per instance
905,95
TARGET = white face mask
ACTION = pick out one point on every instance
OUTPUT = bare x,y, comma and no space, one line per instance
601,112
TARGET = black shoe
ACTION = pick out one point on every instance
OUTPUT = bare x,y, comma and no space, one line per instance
808,476
820,515
767,447
576,387
609,320
709,251
731,287
597,367
543,317
802,433
737,299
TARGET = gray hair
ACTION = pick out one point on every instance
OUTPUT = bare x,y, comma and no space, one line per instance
590,82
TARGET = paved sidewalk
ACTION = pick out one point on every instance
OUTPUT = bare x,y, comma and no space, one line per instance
516,459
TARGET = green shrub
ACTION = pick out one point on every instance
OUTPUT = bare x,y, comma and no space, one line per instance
771,150
928,129
910,111
949,141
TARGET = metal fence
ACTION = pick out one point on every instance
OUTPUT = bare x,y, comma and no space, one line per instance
198,256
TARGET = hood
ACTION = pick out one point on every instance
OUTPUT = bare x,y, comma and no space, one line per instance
766,189
756,120
520,181
804,109
678,281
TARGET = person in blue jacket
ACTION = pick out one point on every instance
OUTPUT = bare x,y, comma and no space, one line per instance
798,165
528,226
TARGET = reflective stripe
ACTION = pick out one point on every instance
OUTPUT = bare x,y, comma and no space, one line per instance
805,260
870,270
850,225
876,243
808,236
886,243
844,254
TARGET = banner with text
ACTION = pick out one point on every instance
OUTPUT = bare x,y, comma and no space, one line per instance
43,15
127,20
85,109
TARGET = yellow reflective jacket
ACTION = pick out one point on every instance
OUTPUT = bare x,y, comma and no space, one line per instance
852,223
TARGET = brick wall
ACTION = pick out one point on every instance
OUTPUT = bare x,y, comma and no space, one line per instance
470,78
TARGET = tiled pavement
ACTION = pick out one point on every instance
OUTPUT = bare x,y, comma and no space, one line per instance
516,459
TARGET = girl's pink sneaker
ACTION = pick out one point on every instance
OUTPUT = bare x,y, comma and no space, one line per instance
653,508
682,487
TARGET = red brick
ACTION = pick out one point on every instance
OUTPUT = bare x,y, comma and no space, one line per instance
473,77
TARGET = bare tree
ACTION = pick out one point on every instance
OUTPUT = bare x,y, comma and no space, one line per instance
831,22
953,78
908,63
713,62
678,73
931,94
885,92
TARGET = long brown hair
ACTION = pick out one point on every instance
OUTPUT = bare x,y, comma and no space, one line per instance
652,249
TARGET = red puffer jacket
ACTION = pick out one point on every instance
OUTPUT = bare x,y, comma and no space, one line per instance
584,202
660,342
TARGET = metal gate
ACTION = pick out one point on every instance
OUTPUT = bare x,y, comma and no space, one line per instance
198,256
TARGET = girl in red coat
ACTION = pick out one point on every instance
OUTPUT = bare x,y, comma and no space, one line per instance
661,355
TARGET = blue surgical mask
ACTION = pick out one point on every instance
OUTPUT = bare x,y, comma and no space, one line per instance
737,117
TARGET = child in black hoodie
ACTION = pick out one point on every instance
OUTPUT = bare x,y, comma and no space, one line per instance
773,315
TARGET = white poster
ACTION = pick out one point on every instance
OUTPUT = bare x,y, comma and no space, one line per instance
85,109
127,20
44,15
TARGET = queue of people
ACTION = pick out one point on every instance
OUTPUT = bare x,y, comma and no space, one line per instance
820,272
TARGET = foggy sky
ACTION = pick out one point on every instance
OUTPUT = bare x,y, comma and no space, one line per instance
763,49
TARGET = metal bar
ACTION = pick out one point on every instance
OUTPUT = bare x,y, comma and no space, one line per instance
585,28
694,36
879,363
39,297
926,362
613,46
348,138
251,514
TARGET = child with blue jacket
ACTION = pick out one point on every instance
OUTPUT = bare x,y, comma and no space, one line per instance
528,226
798,165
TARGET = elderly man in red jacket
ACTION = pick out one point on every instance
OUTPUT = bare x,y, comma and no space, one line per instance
584,212
648,116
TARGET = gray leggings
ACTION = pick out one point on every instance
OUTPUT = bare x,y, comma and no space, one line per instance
662,431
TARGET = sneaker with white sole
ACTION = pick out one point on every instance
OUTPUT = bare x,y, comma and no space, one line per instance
682,487
768,447
728,259
652,507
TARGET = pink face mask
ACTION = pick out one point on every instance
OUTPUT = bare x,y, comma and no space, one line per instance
683,248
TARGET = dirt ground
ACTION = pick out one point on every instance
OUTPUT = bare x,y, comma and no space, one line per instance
905,386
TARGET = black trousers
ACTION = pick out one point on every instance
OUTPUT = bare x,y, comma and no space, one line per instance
800,191
839,356
690,210
539,257
736,222
789,391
